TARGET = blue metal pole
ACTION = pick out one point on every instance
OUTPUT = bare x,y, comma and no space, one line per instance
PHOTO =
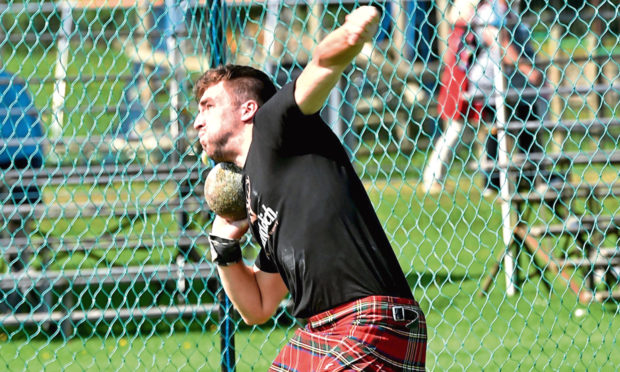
217,41
227,332
217,44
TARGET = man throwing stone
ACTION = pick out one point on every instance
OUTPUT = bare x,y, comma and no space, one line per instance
319,235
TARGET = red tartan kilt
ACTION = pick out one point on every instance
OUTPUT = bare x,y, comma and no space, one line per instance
359,336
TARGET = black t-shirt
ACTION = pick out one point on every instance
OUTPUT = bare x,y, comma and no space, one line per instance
311,215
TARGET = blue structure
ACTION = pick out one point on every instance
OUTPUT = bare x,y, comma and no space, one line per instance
418,35
22,132
22,136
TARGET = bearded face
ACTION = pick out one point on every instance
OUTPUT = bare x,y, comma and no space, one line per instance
218,123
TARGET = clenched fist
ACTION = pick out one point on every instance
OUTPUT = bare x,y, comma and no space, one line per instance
361,25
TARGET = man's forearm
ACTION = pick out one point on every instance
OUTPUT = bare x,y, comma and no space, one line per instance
512,56
333,54
255,294
242,287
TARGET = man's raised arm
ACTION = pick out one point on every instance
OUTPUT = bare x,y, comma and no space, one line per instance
333,54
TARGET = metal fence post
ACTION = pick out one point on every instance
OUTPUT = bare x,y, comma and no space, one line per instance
227,332
217,55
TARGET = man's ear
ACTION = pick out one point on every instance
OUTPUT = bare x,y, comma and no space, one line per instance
248,110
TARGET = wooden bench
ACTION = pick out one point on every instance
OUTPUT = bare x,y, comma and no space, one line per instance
585,260
73,279
53,284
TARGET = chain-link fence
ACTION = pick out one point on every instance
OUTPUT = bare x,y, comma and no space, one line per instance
486,133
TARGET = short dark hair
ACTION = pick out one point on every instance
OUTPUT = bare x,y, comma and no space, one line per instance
246,82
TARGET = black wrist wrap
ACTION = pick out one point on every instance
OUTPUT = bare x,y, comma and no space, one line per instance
224,251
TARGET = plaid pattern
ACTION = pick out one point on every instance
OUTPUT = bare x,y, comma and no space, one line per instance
359,336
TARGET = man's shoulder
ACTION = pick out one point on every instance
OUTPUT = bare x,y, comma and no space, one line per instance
282,95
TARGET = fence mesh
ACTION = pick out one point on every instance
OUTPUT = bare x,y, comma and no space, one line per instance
486,134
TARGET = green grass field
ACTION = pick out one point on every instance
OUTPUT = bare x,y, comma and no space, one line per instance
446,245
529,332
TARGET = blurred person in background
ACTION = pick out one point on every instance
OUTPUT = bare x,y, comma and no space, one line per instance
466,96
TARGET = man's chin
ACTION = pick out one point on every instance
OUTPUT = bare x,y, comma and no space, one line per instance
214,153
217,157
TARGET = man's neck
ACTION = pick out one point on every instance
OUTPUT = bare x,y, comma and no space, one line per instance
244,146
